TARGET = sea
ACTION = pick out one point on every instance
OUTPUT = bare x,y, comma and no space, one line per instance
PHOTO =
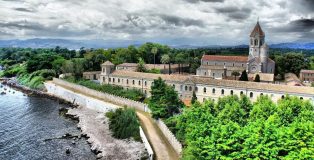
30,128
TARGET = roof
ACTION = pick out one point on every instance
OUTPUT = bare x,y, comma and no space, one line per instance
108,63
92,72
269,77
306,71
225,58
211,67
225,83
257,29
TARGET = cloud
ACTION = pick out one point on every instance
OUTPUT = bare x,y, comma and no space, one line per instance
188,21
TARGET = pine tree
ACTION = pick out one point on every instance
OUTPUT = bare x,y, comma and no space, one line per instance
244,76
257,78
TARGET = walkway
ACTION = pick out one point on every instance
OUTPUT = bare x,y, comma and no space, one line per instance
162,149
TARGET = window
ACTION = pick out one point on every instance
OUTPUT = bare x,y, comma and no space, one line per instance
127,81
196,89
181,88
282,97
174,86
118,80
224,64
213,91
204,73
204,90
242,65
145,92
251,94
186,88
145,83
133,82
109,79
139,82
231,92
103,79
233,64
113,80
262,94
301,98
241,92
190,88
214,75
222,92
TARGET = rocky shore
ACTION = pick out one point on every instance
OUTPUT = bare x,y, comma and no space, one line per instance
94,125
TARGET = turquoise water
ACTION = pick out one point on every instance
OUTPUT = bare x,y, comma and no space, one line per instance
25,123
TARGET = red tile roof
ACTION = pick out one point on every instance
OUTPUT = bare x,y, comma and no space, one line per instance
225,58
257,29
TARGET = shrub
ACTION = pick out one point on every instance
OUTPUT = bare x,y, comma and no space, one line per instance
124,124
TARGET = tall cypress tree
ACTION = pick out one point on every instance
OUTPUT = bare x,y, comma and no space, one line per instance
244,76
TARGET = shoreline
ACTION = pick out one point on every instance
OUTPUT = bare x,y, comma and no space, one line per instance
97,145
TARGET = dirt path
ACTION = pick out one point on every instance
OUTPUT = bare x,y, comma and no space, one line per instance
162,149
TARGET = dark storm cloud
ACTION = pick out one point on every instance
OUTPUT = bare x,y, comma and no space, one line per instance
309,4
196,1
24,10
301,25
235,12
179,21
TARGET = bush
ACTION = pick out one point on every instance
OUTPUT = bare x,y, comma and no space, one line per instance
124,124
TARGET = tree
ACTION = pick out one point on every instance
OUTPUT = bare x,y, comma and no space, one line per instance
141,66
194,98
244,76
235,74
78,65
164,101
154,52
165,59
180,59
257,78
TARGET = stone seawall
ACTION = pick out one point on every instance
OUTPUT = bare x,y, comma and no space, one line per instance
79,99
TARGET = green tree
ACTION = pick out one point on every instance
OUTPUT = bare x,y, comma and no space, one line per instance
244,76
194,98
235,74
257,78
154,52
165,59
180,59
141,66
164,100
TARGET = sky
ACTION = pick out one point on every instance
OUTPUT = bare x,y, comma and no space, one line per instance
189,22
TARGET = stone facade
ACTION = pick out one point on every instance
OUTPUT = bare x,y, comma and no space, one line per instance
307,76
258,61
204,87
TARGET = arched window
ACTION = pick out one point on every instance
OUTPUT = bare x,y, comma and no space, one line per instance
256,42
231,92
251,94
127,81
145,92
282,97
196,89
133,82
186,88
113,80
174,86
204,89
118,80
204,73
139,82
241,92
251,42
109,79
213,91
145,83
262,94
190,88
222,92
301,98
233,64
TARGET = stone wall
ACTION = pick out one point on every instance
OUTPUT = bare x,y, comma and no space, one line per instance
170,136
147,145
105,96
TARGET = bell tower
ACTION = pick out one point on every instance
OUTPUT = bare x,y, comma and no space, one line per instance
257,40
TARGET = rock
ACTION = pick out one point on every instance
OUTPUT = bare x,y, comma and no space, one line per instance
73,142
99,156
67,151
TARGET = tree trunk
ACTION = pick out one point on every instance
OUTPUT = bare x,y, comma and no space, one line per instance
169,72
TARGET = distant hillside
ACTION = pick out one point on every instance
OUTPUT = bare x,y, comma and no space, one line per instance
76,44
